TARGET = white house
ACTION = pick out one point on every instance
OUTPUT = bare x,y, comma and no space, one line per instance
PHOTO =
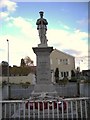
64,62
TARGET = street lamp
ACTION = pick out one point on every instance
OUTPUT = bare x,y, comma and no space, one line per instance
8,69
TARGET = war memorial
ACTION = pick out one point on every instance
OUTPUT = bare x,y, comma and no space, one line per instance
44,85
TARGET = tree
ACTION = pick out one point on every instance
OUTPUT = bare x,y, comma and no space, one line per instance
56,75
28,61
78,72
22,63
4,65
14,71
72,73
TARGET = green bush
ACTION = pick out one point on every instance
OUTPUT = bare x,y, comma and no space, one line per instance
64,81
28,83
4,83
86,81
73,79
25,85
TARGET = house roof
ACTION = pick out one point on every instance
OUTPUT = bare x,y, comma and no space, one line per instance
62,52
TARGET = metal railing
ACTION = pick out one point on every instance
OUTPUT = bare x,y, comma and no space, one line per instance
65,108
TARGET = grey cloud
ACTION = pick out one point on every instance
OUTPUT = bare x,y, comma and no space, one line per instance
72,52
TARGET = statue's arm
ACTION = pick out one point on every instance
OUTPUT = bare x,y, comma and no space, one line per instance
46,23
37,23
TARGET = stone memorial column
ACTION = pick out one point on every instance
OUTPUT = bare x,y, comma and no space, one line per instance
43,69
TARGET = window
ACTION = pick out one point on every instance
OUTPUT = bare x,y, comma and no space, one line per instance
64,74
67,74
60,60
64,61
61,74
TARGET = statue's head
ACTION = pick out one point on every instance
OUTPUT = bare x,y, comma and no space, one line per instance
41,14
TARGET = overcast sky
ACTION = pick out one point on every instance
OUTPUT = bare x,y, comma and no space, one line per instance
67,29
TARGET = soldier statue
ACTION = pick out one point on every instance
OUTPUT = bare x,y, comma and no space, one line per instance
42,28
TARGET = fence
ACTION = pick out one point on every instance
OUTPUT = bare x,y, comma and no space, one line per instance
19,92
62,108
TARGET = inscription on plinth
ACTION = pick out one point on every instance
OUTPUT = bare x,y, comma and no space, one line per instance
43,70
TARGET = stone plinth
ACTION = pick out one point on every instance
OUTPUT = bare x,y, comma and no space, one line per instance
43,71
48,89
